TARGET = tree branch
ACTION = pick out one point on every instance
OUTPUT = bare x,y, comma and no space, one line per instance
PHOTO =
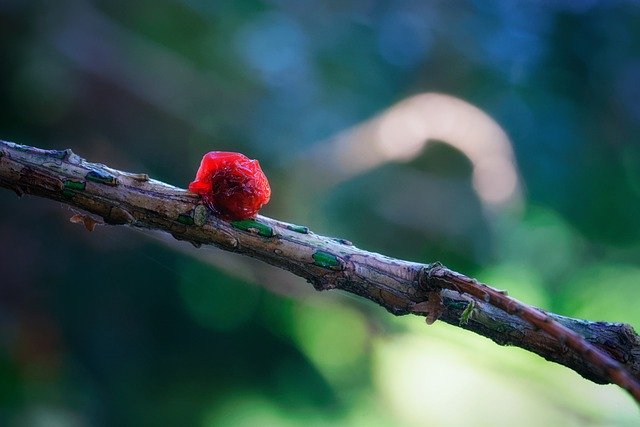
401,287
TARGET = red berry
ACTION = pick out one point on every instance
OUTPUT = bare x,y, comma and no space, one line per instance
231,185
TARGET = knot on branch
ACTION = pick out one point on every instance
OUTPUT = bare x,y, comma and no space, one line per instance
430,276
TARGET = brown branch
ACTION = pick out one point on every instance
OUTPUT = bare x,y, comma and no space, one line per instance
610,354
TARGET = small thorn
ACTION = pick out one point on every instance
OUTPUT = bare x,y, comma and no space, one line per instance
432,308
88,222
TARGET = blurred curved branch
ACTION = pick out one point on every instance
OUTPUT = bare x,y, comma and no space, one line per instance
401,132
123,198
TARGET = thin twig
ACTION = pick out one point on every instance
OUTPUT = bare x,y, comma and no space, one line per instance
601,352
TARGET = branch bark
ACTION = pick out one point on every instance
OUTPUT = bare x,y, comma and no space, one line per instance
123,198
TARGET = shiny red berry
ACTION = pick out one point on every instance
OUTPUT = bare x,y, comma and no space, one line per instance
231,185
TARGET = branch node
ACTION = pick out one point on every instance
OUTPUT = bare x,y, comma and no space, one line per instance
118,216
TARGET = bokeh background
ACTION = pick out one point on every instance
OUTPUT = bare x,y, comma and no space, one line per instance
128,328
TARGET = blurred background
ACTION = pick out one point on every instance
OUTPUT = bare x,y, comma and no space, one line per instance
526,174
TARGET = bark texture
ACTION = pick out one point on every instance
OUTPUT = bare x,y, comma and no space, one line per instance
402,287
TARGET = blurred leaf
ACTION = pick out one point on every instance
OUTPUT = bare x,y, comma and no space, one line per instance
605,291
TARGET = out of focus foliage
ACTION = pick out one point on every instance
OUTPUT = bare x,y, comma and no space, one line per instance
112,328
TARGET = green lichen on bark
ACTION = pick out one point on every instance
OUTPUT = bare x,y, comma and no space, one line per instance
74,185
254,226
185,219
101,177
326,260
298,228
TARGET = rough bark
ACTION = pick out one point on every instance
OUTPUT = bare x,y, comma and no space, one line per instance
401,287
